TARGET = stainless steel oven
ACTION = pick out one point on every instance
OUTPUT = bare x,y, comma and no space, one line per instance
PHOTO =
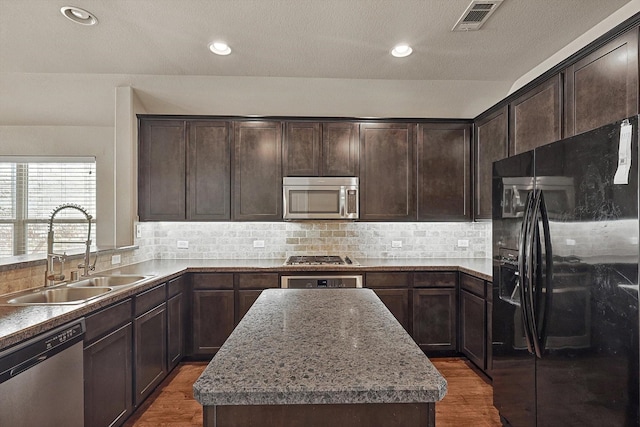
328,281
320,198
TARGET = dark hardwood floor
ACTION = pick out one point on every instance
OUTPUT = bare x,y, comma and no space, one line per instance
469,399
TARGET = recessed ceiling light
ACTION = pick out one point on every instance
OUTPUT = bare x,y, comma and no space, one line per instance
401,50
79,16
219,48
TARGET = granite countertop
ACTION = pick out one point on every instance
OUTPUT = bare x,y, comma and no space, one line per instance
311,346
20,323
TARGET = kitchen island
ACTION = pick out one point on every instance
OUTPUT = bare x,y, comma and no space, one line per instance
314,357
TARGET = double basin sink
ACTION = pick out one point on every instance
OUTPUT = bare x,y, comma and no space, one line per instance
77,292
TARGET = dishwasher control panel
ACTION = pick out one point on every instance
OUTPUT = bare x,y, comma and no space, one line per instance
25,355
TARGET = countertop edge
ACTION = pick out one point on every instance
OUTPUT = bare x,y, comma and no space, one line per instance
164,270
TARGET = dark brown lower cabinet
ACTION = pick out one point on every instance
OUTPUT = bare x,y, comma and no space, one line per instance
150,350
176,320
434,319
108,379
472,327
245,301
175,329
397,301
213,320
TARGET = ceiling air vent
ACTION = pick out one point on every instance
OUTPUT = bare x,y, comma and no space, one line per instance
476,15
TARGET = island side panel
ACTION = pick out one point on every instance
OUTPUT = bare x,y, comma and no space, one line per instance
348,415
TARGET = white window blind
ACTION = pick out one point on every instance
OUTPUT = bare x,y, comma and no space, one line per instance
31,188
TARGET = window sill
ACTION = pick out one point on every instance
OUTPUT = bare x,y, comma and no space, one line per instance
26,261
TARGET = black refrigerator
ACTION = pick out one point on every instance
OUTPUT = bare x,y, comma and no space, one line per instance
565,291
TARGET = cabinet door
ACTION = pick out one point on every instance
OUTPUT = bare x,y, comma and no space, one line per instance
245,301
257,194
472,328
108,379
434,319
490,145
150,349
444,169
301,149
209,171
397,301
535,118
340,149
387,189
175,329
603,87
161,170
213,320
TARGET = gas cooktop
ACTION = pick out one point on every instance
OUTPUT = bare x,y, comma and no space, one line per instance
320,260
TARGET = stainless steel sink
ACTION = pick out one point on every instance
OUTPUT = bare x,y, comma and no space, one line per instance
107,281
59,295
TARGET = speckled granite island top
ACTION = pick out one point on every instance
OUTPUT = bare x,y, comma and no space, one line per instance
319,346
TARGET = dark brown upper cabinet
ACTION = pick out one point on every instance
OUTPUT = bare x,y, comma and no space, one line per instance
162,170
301,149
184,170
320,149
603,87
444,169
209,171
535,118
490,145
257,177
387,172
340,149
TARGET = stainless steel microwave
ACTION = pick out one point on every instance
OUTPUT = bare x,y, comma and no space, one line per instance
559,195
320,198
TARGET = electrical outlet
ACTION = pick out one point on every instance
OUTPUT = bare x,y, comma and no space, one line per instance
115,259
138,231
463,243
258,243
570,242
396,243
183,244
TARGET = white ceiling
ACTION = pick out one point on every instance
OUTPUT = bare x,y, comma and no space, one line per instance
159,47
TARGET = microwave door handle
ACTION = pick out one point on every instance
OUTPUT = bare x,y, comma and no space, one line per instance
343,201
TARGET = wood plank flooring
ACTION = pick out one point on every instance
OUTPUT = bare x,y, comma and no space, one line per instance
469,400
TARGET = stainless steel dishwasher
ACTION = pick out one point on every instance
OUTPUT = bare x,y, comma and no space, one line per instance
41,380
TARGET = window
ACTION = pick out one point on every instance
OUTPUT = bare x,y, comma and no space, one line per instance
30,189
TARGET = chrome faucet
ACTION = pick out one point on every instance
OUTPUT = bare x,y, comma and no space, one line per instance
51,276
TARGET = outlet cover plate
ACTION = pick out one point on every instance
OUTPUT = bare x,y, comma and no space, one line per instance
183,244
258,243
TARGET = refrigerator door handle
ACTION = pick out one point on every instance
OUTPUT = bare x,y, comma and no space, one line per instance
533,279
524,269
548,275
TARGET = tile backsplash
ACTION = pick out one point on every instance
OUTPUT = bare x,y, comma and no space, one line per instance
237,240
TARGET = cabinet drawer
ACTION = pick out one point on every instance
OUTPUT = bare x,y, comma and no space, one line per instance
175,286
212,280
472,284
146,300
435,279
257,280
107,319
388,280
